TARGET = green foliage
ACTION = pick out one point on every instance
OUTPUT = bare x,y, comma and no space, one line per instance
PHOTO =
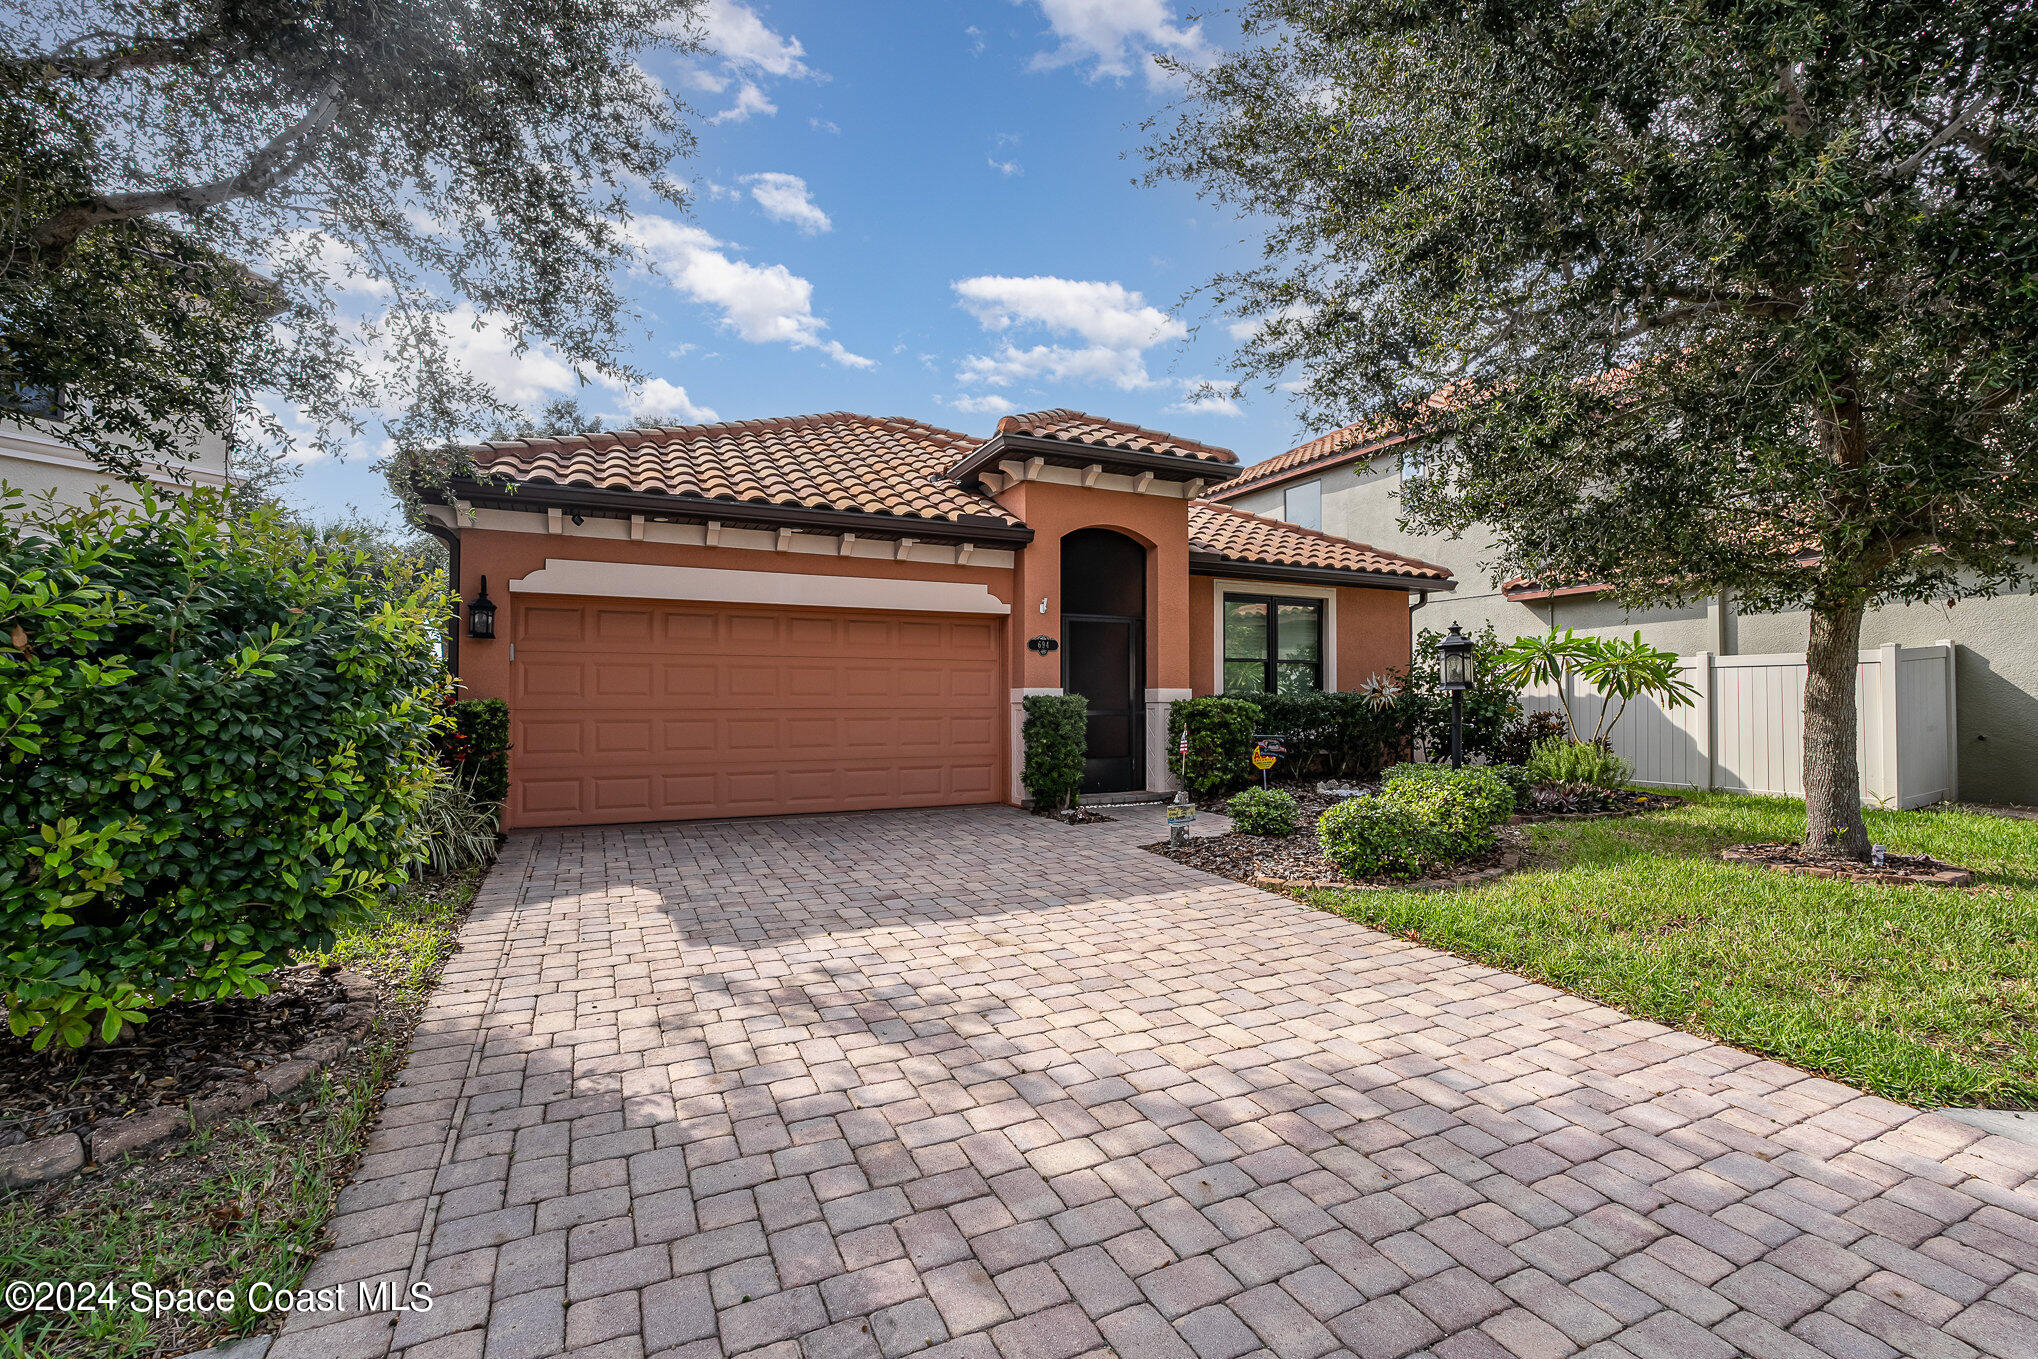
477,749
1056,733
452,828
1220,742
1519,785
1491,705
213,738
1624,669
1334,735
1453,819
1370,837
1261,811
1578,764
1528,731
1490,792
444,157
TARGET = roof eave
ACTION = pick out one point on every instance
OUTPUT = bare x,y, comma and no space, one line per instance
1167,466
1360,452
547,495
1214,564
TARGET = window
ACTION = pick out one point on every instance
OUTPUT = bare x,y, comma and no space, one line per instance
1302,506
1272,645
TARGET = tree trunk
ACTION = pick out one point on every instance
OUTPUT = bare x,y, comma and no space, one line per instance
1832,766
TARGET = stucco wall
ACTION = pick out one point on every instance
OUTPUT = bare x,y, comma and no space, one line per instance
34,462
1996,676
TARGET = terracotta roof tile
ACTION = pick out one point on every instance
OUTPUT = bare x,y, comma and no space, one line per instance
837,461
1241,537
1349,444
1077,428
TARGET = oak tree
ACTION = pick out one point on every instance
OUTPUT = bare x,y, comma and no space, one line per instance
1697,296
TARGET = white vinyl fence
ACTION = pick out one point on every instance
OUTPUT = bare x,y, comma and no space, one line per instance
1745,731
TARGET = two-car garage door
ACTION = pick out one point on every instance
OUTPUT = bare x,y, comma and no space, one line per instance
638,710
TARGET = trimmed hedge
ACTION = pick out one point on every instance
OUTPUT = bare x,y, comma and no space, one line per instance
1370,837
214,734
1337,735
1261,811
1056,735
1483,784
1427,818
1220,742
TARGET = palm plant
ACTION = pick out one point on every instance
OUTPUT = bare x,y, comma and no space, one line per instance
1618,669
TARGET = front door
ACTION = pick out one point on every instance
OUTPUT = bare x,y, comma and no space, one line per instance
1102,657
1103,652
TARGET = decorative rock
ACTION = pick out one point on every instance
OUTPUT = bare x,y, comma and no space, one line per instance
40,1161
324,1052
125,1136
285,1077
235,1099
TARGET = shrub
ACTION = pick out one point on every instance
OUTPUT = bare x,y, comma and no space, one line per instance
1452,820
1339,735
477,750
1056,733
453,828
1261,811
1370,837
1483,785
1518,783
1527,732
1220,741
1491,705
213,738
1587,763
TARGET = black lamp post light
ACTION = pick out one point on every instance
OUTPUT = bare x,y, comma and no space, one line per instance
481,613
1454,658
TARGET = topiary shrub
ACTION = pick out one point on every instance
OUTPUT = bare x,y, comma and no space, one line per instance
213,737
1451,821
1370,837
477,749
1483,785
1056,734
1261,811
1220,742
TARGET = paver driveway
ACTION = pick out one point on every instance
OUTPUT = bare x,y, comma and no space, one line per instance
971,1083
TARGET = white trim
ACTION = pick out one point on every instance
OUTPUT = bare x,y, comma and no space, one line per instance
636,580
51,454
782,539
1090,475
1278,590
1160,768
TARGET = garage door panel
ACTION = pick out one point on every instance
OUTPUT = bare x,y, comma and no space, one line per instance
673,711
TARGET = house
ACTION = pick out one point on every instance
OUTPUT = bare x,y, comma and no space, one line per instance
1348,483
839,612
35,459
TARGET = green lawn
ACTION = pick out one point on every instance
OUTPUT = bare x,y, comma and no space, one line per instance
243,1201
1922,994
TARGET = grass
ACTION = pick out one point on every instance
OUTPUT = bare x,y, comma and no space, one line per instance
241,1202
1926,995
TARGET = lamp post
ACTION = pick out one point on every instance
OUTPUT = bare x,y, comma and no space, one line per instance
481,613
1454,659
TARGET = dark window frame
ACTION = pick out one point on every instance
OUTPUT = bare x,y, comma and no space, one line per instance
1270,675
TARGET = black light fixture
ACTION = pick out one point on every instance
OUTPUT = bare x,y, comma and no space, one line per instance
481,614
1454,661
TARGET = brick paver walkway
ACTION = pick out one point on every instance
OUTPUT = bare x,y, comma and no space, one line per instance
971,1084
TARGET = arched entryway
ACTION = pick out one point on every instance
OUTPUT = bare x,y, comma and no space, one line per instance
1103,652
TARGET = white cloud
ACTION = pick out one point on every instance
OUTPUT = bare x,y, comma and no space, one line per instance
1246,327
976,40
485,344
1007,168
733,32
824,125
764,304
749,100
785,198
1208,396
989,404
1112,36
1114,325
662,400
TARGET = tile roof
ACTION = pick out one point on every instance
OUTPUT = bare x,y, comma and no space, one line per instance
1077,428
1353,442
837,461
1240,537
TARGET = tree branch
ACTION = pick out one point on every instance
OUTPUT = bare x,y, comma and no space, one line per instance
130,53
1952,131
283,156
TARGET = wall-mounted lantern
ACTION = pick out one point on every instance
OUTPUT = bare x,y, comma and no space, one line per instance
481,614
1455,664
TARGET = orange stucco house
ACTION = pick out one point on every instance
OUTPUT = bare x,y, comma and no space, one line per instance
842,612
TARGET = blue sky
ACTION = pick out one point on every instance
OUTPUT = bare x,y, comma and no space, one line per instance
921,209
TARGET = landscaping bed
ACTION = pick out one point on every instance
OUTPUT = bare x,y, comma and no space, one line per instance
1572,804
244,1198
1903,870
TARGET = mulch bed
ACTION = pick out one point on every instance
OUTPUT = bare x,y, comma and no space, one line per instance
1897,870
1563,804
1074,816
183,1053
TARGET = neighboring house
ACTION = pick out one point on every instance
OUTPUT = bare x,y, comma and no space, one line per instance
36,460
1348,483
836,612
